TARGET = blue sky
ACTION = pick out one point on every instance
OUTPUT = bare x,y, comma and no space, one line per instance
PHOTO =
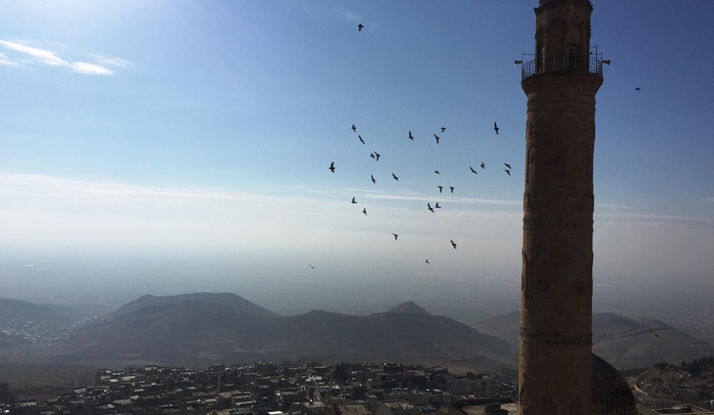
106,105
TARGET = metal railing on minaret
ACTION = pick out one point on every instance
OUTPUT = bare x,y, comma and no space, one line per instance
561,64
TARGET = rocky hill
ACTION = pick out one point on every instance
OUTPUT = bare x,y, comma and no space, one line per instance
230,300
410,307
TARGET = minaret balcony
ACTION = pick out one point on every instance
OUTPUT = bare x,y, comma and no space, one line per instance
560,65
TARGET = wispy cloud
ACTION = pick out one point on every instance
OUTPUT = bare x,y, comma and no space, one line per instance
347,14
365,190
4,60
653,218
112,61
47,57
448,199
611,206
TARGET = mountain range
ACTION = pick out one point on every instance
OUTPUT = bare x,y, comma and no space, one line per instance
623,342
24,311
203,328
183,330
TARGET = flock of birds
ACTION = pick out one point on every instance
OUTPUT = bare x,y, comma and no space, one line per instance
374,155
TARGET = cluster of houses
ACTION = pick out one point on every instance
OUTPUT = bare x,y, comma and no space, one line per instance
264,388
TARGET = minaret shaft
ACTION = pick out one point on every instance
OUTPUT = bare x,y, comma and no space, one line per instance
556,281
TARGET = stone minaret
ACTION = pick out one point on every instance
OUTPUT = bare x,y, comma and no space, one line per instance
556,281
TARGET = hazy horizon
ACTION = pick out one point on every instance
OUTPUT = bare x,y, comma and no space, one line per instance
167,148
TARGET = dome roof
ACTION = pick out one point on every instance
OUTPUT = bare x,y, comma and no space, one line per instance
611,393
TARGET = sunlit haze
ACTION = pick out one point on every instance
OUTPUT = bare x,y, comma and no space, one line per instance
168,147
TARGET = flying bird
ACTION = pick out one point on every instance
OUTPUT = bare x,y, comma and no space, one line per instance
453,244
452,189
637,89
472,170
483,166
371,155
443,129
395,177
436,171
332,167
656,335
495,127
651,330
373,181
440,187
353,200
311,267
410,136
376,154
360,139
365,211
507,165
354,128
427,261
430,208
437,206
437,138
395,236
507,171
359,27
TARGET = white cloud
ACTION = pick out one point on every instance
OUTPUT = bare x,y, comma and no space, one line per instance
4,60
90,69
47,57
112,61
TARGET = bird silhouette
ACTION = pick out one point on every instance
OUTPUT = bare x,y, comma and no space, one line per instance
656,335
507,165
395,177
452,189
332,167
651,330
507,171
453,244
443,129
353,200
436,171
637,89
437,206
371,155
427,261
437,138
359,27
483,166
311,267
365,211
430,208
410,136
354,128
472,170
440,187
360,139
395,236
373,181
495,127
376,154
